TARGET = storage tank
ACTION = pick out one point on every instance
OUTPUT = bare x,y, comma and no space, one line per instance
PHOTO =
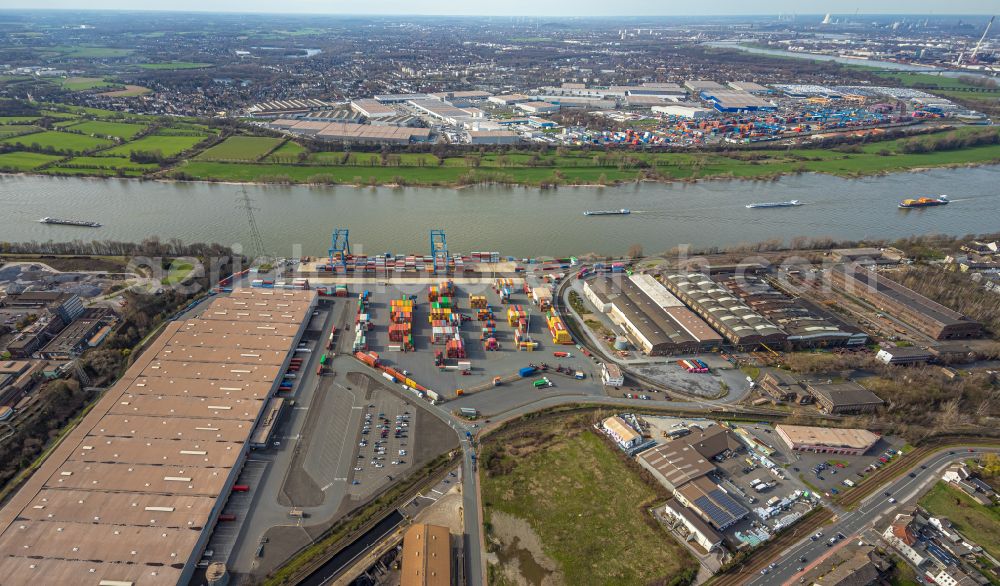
216,574
621,343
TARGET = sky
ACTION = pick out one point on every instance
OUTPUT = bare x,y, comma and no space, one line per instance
526,7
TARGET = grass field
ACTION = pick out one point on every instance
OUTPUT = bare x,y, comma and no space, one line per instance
18,119
175,65
978,523
585,505
168,146
240,148
579,167
60,141
14,129
111,163
177,273
77,84
24,161
122,130
286,153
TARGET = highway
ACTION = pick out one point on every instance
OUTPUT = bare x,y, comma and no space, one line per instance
874,513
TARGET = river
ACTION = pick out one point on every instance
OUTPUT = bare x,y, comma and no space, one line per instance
890,65
513,220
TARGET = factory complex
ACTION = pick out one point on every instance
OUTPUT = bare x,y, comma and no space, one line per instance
696,113
931,318
133,493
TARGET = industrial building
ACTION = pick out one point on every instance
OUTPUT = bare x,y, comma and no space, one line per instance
929,317
806,325
461,97
697,530
357,133
285,108
827,440
683,111
446,111
656,321
699,85
748,86
399,98
644,101
684,465
509,99
426,556
903,355
538,107
79,335
782,386
705,497
727,100
493,137
688,457
338,115
131,495
845,397
743,327
370,108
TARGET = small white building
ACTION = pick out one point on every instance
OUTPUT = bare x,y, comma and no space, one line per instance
611,375
620,431
697,530
683,111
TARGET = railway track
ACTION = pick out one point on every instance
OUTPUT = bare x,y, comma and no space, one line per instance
760,559
876,480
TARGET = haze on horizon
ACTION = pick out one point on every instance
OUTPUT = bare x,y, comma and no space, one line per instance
563,8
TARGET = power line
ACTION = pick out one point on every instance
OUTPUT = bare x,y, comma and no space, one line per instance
246,204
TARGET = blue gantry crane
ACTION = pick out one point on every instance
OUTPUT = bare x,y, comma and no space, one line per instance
340,244
439,251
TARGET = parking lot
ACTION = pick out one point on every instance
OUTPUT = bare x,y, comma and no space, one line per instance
383,452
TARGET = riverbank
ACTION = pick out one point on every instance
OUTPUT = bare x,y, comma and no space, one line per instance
564,167
92,143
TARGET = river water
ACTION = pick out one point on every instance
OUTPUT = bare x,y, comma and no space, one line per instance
891,65
513,220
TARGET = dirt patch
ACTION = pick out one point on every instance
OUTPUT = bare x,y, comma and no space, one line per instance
128,91
446,512
70,264
522,560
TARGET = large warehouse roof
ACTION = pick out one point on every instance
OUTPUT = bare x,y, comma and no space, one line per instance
129,494
892,290
827,436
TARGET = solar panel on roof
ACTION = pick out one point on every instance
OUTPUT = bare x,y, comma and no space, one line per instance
718,516
734,508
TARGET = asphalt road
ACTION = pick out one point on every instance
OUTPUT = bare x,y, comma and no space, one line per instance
874,513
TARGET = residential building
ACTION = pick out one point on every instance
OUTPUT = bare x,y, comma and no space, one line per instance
901,534
852,565
611,375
